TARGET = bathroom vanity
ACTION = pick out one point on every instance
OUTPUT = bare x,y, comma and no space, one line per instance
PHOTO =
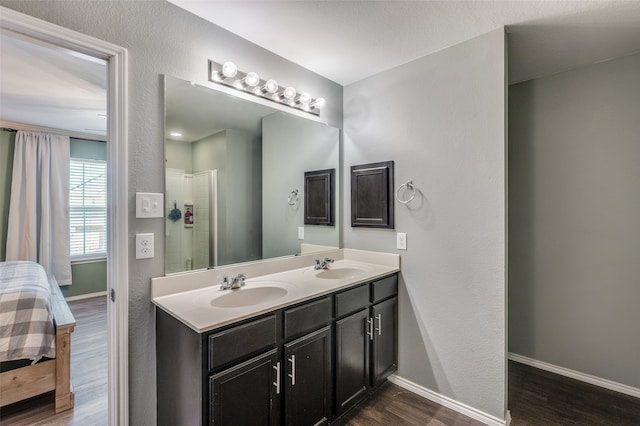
261,356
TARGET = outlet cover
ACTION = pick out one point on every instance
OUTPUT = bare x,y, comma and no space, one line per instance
149,204
144,246
401,241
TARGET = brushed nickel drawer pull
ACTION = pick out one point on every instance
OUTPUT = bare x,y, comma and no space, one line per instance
292,360
277,382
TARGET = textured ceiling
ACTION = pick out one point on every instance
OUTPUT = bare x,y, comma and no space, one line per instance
48,86
346,41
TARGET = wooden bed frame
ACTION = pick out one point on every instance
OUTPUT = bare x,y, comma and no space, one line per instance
54,374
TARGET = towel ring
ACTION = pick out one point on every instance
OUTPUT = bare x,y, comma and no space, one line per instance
410,186
293,198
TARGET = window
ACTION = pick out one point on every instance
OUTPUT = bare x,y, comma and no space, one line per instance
88,208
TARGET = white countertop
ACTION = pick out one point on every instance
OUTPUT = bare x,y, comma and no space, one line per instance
194,308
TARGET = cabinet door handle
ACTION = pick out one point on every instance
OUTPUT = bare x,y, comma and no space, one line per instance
370,328
292,360
379,329
277,382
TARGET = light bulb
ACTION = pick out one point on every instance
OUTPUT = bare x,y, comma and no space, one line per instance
229,69
304,98
271,86
320,103
289,93
251,79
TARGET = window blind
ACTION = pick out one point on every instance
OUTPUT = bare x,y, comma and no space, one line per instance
88,208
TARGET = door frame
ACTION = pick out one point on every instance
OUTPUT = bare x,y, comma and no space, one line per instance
117,190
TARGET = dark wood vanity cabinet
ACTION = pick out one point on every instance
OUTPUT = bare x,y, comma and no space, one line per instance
307,376
301,365
245,394
366,341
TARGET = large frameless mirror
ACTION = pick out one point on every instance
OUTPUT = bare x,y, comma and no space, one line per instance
235,177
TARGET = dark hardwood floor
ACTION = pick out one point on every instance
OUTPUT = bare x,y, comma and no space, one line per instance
395,406
538,397
88,375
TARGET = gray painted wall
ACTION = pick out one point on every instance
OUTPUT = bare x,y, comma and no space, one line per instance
162,39
292,146
441,118
574,205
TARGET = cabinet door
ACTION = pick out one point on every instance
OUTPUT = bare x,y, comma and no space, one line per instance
385,340
307,392
352,359
246,394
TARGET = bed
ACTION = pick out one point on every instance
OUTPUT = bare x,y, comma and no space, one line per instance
35,336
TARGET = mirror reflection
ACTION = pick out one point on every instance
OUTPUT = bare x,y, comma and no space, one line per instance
235,179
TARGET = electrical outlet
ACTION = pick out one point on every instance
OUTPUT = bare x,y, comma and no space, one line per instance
401,241
144,246
301,232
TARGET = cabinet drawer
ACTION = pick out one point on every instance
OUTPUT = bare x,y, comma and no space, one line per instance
384,288
240,341
352,300
307,317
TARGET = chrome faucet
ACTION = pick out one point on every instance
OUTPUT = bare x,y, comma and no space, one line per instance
234,284
323,264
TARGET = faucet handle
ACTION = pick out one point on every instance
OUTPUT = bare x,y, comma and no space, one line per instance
241,277
329,260
224,282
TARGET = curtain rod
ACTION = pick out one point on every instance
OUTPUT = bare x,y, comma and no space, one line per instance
13,126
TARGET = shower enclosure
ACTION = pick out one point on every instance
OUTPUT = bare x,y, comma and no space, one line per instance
191,240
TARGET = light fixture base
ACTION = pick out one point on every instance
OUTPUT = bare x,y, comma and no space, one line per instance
237,82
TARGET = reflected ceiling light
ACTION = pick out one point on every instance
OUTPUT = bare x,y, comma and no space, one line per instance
229,75
176,134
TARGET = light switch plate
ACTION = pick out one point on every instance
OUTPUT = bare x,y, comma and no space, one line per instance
301,232
401,241
144,246
149,204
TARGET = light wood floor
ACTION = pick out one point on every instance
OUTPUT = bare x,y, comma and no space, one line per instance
88,375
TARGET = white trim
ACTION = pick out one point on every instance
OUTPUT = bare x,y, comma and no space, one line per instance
80,260
445,401
118,228
577,375
86,296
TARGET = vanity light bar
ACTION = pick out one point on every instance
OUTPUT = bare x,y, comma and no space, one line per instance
229,75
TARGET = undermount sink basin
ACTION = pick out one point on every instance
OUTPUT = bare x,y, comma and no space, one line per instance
339,273
252,294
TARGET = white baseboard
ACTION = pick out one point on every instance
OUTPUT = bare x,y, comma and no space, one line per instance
85,296
583,377
447,402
